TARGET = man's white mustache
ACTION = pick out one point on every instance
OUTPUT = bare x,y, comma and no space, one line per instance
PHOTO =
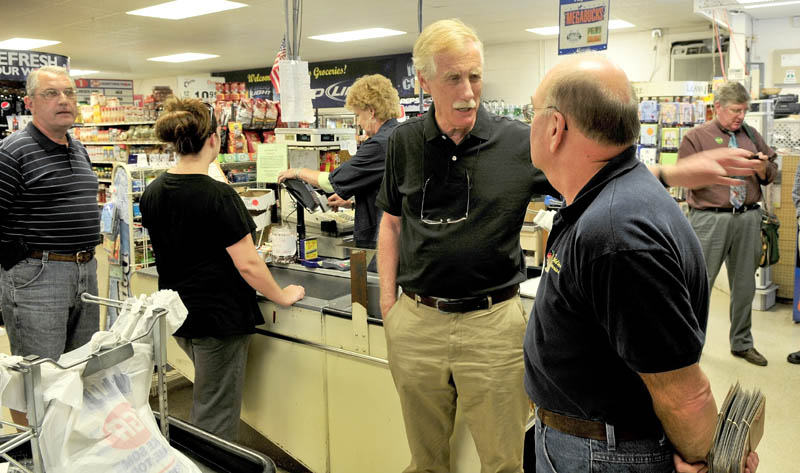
465,104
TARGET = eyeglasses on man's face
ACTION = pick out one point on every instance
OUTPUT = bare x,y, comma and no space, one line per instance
52,94
529,112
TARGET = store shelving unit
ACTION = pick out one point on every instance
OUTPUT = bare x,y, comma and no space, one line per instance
129,183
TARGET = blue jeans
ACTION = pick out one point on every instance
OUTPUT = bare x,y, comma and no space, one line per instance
42,306
557,452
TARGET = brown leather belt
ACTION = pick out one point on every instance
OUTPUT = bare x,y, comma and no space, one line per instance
467,304
80,257
590,429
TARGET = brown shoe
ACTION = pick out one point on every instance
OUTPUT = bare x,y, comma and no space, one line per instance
751,355
794,358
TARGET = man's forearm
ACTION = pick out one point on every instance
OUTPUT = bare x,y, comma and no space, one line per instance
388,260
684,404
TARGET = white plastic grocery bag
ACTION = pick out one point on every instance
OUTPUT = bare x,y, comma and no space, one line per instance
111,427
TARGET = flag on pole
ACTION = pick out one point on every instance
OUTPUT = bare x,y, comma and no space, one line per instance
275,73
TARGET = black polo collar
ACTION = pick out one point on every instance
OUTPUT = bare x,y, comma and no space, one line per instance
616,166
481,129
42,140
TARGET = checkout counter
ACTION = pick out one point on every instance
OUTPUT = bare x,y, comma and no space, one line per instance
317,382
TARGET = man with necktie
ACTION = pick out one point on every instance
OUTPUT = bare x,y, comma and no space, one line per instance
727,219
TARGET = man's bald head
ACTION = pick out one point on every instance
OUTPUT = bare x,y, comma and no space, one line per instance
595,96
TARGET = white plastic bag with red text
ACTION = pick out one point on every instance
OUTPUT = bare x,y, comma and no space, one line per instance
109,426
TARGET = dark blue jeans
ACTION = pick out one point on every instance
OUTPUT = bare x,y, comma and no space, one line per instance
557,452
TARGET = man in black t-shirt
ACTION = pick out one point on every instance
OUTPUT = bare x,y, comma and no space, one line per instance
612,348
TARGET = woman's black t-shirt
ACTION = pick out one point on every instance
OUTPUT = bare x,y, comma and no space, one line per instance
192,219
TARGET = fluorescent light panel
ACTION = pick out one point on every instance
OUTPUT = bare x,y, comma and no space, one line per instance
26,43
183,57
752,1
82,72
357,35
553,30
775,4
180,9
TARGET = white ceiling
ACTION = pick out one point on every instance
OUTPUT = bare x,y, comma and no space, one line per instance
99,35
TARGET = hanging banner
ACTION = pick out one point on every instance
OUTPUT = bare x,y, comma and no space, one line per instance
16,65
582,25
330,80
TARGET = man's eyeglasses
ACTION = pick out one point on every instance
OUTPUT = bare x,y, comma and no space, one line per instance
52,94
428,219
529,111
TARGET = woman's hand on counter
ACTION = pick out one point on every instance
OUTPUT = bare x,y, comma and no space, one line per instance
292,293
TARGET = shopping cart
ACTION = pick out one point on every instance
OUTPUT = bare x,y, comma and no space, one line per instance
207,451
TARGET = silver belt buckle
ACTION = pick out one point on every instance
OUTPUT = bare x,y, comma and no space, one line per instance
83,257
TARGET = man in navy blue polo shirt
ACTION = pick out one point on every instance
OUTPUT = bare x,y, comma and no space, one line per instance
614,340
49,224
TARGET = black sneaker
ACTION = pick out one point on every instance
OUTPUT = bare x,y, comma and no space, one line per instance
794,358
751,355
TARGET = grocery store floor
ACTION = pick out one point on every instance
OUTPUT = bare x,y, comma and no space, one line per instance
775,336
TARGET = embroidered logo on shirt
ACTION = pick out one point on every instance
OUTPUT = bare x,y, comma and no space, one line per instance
718,140
552,263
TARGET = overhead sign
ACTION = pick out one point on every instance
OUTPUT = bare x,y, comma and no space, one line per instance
330,80
119,88
583,25
16,65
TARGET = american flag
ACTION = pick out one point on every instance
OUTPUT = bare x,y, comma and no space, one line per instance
275,74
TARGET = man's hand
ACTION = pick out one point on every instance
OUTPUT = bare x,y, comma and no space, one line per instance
683,467
701,467
712,167
387,302
336,201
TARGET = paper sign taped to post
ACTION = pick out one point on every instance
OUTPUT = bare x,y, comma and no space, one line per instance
271,159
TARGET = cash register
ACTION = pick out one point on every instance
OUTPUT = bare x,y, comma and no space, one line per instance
333,230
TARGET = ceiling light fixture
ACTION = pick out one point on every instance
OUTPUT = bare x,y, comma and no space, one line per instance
81,72
180,9
26,44
776,4
183,57
553,30
357,35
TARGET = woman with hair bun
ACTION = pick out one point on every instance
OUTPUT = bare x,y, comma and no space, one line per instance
202,237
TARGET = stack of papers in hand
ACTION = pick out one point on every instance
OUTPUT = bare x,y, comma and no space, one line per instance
740,426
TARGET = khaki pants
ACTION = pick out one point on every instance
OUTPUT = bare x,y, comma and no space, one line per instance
474,357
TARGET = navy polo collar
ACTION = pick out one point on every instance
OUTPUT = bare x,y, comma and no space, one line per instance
46,143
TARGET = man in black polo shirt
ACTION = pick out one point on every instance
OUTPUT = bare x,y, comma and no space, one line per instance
455,190
49,224
612,348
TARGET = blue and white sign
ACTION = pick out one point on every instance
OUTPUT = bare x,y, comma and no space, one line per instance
582,25
16,65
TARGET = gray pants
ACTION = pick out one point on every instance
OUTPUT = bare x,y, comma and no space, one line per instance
736,240
219,365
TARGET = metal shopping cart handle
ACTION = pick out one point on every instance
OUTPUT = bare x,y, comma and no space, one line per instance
104,358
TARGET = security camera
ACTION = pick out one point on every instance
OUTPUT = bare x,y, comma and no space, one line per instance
655,32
